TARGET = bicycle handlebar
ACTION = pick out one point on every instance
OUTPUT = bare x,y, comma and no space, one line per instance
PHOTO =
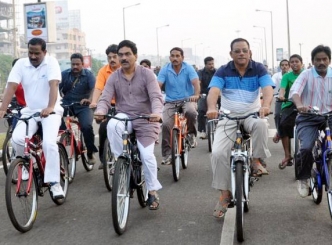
15,115
130,119
74,103
237,118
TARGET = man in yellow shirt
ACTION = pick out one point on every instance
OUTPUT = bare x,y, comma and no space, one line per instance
103,74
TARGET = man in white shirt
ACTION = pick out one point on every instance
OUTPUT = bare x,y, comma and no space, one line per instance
276,78
40,76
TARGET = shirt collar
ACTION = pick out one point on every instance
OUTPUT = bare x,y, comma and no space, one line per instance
28,63
232,65
328,74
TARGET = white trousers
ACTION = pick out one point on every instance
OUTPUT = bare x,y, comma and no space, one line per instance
114,135
50,126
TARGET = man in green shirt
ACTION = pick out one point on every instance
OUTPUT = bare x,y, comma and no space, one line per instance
288,114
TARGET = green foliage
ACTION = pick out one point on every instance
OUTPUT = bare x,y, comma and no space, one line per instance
96,65
5,67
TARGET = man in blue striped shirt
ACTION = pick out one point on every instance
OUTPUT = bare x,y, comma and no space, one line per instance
239,82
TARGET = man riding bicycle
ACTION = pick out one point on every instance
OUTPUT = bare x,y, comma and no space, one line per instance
136,92
312,88
181,81
239,82
77,86
39,75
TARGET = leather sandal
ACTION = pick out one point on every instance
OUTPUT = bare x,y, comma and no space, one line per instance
221,207
257,170
286,162
276,138
153,199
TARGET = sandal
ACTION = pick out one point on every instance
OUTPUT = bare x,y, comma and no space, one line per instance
286,162
276,138
153,201
257,170
221,207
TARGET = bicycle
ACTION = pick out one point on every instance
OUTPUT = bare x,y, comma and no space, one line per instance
211,126
179,140
108,160
8,152
240,164
321,172
22,190
128,177
73,141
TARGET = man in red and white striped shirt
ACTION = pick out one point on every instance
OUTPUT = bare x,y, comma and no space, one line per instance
312,88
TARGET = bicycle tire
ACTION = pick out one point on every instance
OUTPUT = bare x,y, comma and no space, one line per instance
316,187
64,174
210,132
297,145
121,195
84,155
7,152
22,215
329,188
108,165
65,140
239,201
185,153
142,191
175,155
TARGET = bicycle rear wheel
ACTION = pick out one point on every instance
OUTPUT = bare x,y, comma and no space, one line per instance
185,153
8,152
210,134
121,195
21,206
108,165
329,191
175,155
239,197
84,155
316,187
64,174
65,140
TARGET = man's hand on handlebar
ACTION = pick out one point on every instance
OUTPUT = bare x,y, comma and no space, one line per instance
212,114
85,102
99,118
264,111
194,98
46,112
155,118
93,105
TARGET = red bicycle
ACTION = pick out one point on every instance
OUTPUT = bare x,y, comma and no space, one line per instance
25,180
73,141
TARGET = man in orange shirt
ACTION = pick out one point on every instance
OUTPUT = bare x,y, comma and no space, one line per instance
103,74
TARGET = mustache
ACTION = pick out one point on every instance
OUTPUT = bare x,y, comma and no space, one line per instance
124,61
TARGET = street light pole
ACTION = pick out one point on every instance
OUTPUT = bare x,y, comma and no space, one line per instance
261,46
124,18
288,35
195,50
183,41
301,49
158,42
268,11
265,41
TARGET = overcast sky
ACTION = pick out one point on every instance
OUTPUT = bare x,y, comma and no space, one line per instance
214,23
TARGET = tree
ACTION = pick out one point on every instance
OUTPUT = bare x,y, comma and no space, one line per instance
5,67
96,65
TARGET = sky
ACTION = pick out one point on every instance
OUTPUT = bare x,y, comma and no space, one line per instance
208,27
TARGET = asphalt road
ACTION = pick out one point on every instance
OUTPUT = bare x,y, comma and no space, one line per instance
278,215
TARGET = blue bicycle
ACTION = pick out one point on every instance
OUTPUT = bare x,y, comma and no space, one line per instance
321,172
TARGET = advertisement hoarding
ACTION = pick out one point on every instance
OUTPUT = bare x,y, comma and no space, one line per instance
280,54
39,21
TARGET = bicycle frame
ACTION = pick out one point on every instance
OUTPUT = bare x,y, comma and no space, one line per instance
180,124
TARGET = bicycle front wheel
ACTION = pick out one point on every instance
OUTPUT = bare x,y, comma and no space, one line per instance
142,191
64,174
108,165
210,134
175,155
22,204
121,195
8,152
65,140
239,201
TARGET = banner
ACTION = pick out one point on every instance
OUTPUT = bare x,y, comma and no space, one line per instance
39,21
280,54
87,62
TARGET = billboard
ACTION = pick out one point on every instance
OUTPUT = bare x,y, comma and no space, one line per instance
280,54
87,62
61,14
39,21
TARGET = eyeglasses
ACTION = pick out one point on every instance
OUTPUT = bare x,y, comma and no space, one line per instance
238,51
